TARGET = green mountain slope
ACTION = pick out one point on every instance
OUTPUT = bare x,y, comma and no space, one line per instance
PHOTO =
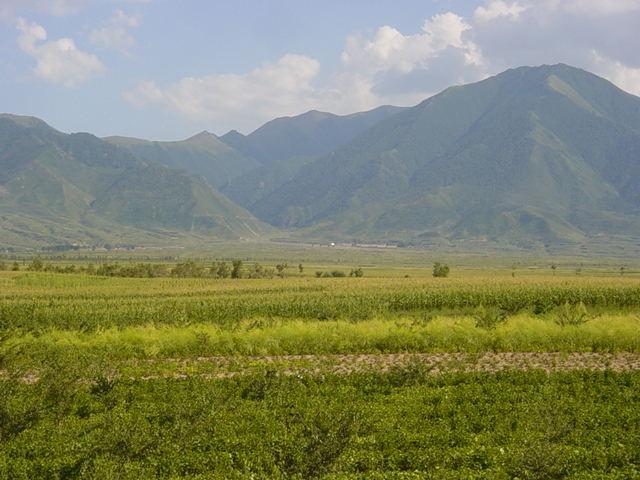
286,144
311,134
203,154
542,155
61,189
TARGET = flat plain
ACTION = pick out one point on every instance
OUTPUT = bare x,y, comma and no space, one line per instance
497,371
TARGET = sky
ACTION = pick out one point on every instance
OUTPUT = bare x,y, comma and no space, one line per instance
167,69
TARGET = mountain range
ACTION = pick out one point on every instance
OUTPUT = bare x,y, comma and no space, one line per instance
535,157
59,189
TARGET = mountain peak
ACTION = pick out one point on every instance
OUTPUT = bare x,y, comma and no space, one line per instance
25,120
232,133
205,139
542,154
204,133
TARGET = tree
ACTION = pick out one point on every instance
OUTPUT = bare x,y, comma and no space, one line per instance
188,269
300,268
15,267
236,271
281,267
440,270
36,265
621,271
220,270
356,272
553,268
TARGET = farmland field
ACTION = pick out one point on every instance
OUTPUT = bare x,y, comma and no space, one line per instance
489,373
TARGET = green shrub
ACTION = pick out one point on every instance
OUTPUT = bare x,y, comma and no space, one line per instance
356,272
571,314
36,265
489,318
440,270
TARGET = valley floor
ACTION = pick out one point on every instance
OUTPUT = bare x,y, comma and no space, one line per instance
480,375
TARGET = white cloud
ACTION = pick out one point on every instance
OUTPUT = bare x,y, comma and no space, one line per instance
115,34
498,9
287,87
57,61
58,8
273,89
402,68
625,77
567,31
391,50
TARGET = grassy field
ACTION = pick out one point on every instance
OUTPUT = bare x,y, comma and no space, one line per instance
491,373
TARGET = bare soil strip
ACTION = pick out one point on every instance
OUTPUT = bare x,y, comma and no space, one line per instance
220,367
490,362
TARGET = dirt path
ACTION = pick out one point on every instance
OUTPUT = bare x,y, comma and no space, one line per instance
345,364
223,367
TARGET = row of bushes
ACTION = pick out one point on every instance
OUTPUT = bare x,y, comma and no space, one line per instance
355,272
187,269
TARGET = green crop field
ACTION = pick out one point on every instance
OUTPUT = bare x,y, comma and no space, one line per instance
493,372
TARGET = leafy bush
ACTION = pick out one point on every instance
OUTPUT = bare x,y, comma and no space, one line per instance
356,272
236,270
489,318
526,425
36,265
220,270
440,270
280,268
571,314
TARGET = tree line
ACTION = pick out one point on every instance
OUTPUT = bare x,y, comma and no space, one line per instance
186,269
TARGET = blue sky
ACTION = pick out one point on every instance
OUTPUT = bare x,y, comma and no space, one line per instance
166,69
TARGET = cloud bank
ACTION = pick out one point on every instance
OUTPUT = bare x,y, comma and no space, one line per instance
57,61
115,34
394,67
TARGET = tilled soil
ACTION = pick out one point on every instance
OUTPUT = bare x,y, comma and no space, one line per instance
220,367
439,363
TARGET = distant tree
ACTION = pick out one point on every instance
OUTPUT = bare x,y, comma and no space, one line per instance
318,274
280,268
440,270
236,271
553,268
15,267
258,271
37,265
300,268
188,269
622,271
69,269
356,272
3,266
220,270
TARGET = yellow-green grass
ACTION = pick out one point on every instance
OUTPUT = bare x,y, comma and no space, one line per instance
46,314
524,332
